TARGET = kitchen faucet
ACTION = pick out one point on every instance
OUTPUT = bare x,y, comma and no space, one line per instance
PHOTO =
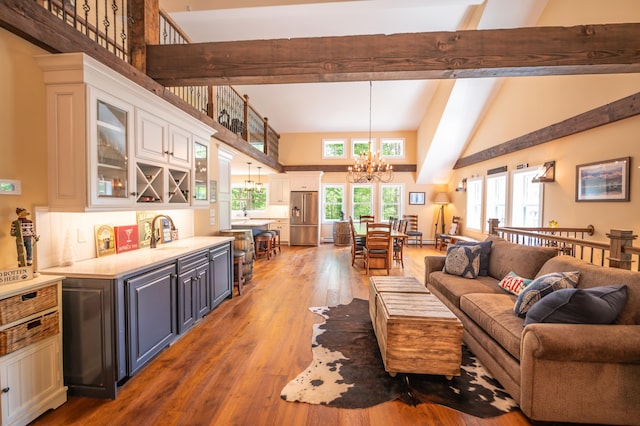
154,242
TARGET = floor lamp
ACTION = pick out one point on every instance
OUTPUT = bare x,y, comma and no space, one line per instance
442,199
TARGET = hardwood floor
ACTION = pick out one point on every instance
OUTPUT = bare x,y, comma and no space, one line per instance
230,369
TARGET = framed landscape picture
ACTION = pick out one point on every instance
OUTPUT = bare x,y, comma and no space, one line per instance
416,198
603,181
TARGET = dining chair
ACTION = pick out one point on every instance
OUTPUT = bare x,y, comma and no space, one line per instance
367,218
378,245
412,228
357,244
398,243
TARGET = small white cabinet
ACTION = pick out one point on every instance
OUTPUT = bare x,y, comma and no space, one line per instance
31,377
304,181
157,140
278,190
283,226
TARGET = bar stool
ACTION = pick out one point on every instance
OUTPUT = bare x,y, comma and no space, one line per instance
238,263
263,244
276,241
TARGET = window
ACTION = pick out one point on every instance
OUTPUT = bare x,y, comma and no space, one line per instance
390,201
526,207
496,199
333,199
392,148
334,148
474,203
242,199
361,146
362,200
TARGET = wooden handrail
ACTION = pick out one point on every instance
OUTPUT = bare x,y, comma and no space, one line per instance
619,252
558,239
589,230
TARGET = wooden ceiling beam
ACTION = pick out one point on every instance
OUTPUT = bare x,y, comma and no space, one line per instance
618,110
535,51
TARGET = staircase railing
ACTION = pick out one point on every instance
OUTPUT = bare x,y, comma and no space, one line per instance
617,253
107,23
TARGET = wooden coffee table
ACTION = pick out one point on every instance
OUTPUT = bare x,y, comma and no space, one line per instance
416,332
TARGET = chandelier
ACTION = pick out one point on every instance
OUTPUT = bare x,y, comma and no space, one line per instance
370,167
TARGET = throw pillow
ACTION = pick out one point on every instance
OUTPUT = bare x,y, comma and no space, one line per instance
543,286
513,283
597,305
485,252
462,261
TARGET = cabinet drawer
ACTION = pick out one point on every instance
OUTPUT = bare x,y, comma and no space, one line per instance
28,303
28,332
193,260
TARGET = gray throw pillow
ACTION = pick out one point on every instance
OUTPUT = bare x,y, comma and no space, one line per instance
596,305
543,286
462,261
485,252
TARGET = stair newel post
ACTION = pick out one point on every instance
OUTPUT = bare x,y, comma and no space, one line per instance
245,131
493,224
620,238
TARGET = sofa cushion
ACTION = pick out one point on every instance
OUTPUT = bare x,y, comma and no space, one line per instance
453,287
494,314
596,305
596,276
513,283
543,286
525,261
485,252
462,261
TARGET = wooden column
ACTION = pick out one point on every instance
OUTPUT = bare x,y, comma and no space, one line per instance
144,30
211,102
620,238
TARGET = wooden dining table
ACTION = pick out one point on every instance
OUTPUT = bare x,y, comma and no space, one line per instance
360,229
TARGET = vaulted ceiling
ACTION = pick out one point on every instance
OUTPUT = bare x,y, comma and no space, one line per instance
344,106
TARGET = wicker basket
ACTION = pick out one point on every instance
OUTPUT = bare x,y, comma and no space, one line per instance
25,304
28,332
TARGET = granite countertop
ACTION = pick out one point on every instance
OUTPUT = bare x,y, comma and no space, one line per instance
118,265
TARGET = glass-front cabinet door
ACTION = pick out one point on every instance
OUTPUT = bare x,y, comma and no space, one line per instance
201,173
110,130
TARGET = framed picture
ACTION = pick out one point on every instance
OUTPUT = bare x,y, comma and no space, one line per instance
603,180
416,198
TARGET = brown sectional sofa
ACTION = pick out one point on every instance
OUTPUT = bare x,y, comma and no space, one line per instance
579,373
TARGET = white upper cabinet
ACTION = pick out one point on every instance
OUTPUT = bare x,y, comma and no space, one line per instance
304,181
278,190
151,136
114,145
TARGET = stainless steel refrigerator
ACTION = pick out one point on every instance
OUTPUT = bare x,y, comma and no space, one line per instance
303,221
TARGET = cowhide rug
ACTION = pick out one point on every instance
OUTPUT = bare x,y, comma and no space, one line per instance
347,372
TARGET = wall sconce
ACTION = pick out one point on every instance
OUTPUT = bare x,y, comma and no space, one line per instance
462,186
547,173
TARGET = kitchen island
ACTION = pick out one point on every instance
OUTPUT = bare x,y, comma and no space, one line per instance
120,311
256,225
